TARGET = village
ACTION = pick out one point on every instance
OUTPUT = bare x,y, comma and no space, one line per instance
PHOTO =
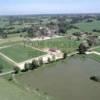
40,54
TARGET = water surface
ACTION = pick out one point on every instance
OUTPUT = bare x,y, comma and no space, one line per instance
66,80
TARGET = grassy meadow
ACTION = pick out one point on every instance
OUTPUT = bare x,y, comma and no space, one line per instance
7,66
94,57
88,26
10,91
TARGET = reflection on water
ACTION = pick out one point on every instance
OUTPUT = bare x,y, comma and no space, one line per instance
66,80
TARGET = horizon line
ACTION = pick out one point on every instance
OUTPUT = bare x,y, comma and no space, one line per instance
50,14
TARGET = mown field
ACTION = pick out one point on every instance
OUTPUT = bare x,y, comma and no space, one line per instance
10,41
94,57
20,53
5,65
10,91
60,43
88,26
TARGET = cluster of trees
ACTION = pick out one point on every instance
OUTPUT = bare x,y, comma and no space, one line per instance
3,34
89,20
37,63
63,25
34,65
96,30
1,68
98,17
88,43
82,48
57,22
20,19
64,55
80,17
32,31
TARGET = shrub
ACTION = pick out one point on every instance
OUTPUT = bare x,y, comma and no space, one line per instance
34,64
64,55
16,70
26,67
53,58
40,61
82,48
49,60
31,66
1,68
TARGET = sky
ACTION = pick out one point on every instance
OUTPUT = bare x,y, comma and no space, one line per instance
14,7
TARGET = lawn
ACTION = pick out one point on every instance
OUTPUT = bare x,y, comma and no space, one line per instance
20,53
88,27
10,91
5,65
60,43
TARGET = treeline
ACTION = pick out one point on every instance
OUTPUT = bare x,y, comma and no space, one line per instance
4,32
96,30
37,63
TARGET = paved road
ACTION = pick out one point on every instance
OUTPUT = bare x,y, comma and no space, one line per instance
73,53
93,52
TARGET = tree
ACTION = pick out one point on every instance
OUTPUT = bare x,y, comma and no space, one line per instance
30,32
1,68
63,25
90,43
16,70
34,64
40,61
49,60
64,55
82,48
26,67
31,67
4,35
53,58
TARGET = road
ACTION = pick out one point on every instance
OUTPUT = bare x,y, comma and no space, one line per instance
93,52
6,73
7,58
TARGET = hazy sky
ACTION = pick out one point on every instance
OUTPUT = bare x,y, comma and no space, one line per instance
8,7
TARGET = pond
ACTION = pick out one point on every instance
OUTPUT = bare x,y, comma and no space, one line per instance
66,80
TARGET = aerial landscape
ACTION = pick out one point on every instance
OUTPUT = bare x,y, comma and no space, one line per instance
47,53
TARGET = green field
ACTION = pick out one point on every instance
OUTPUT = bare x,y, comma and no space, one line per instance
88,27
61,43
73,31
10,41
10,91
5,65
20,53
